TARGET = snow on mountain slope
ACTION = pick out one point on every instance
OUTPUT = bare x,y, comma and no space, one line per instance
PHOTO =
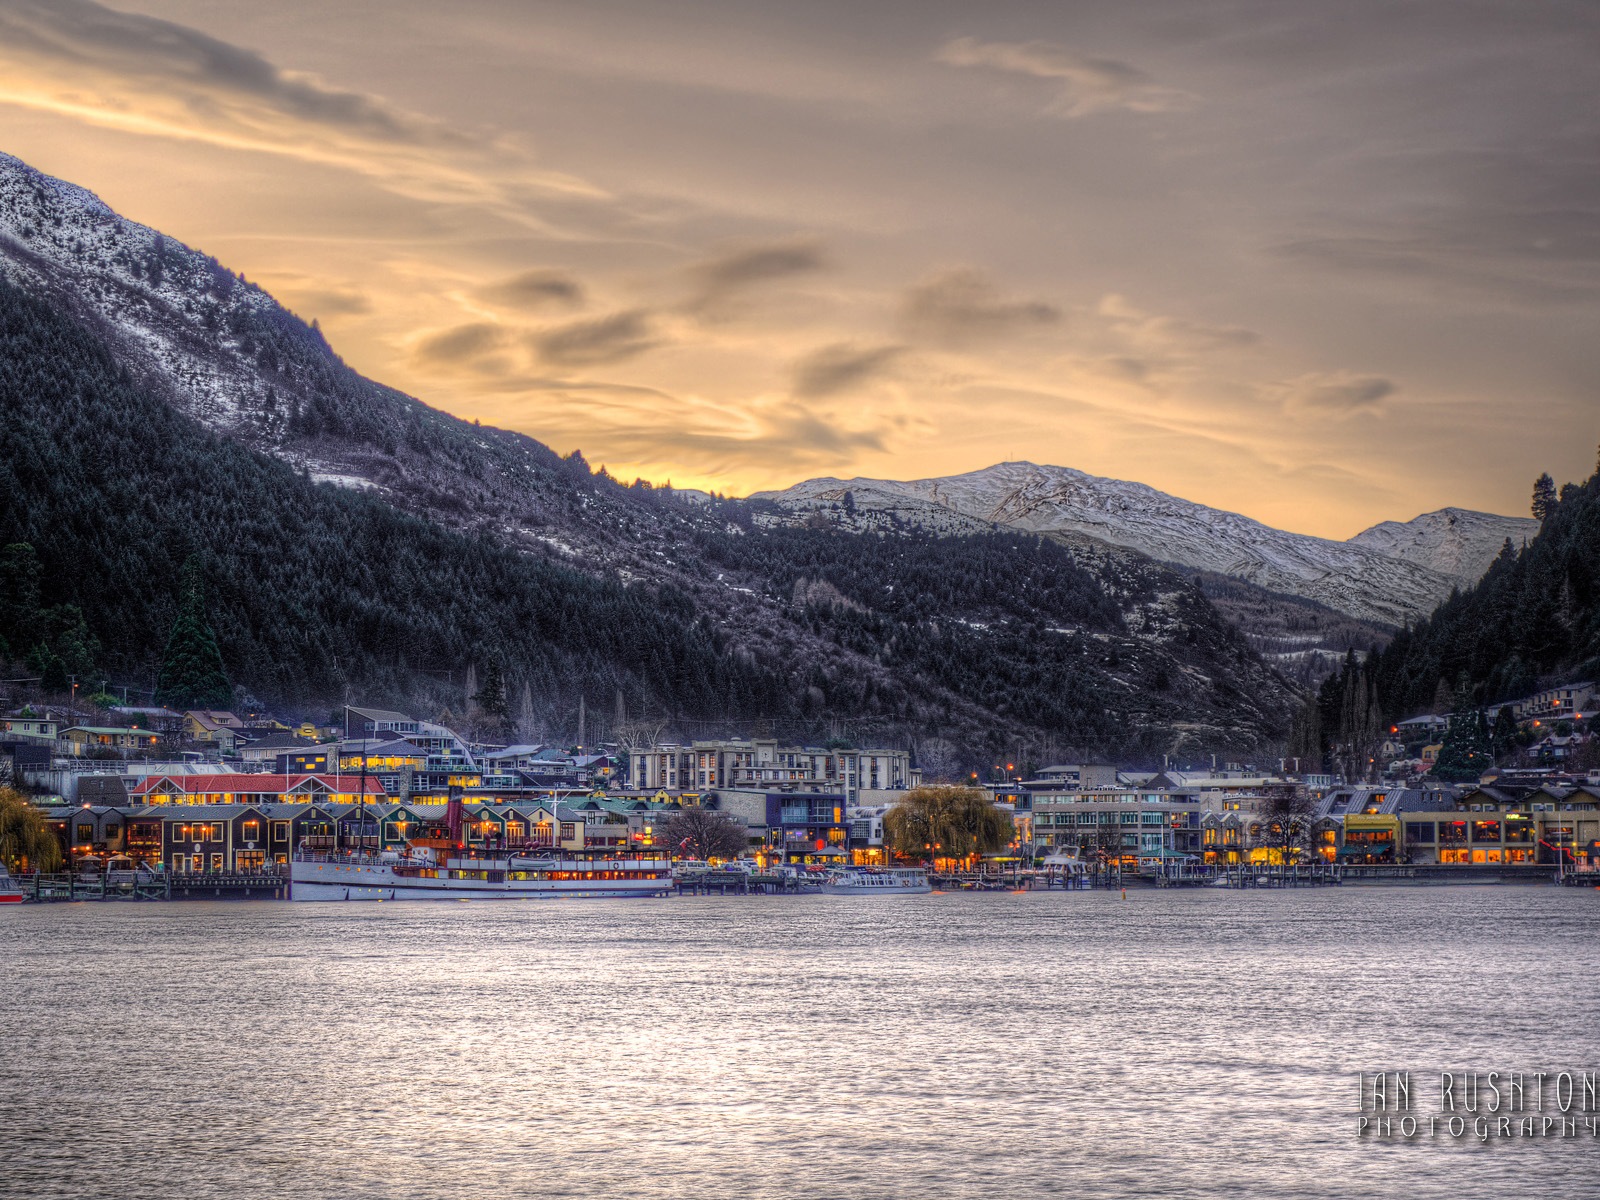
1456,542
1350,578
173,309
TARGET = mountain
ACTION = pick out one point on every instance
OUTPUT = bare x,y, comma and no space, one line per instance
1454,542
1356,578
359,545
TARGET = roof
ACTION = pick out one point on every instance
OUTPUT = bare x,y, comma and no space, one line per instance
117,729
251,784
384,715
185,812
278,741
215,718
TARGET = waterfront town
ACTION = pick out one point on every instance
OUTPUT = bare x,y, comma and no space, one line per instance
208,794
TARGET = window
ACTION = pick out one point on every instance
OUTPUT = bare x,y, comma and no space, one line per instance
568,830
1486,831
1420,832
84,833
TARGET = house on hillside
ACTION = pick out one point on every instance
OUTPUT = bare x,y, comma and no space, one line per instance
79,741
214,727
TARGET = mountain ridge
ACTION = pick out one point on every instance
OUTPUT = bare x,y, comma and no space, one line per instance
1350,577
906,638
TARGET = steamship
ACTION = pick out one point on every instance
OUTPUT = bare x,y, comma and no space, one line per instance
444,868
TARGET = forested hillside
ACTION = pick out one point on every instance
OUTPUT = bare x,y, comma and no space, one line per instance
1535,616
1533,621
317,592
319,595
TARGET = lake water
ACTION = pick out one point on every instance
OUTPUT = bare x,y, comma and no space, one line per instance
1177,1043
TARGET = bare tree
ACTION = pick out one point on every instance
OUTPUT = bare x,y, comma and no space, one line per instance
1285,822
706,834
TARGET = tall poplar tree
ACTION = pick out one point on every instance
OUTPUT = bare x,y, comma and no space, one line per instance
192,674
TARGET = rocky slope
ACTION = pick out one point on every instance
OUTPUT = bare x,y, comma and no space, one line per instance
1455,542
1358,578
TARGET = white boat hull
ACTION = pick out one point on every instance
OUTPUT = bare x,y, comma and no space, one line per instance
336,880
893,882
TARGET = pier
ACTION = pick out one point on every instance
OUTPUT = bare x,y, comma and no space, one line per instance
268,883
735,883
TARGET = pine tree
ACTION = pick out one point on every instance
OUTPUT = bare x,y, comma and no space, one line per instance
192,674
1503,738
20,573
492,699
525,719
1465,754
1544,496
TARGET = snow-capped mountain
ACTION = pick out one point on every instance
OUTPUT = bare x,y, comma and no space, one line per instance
178,314
1141,661
1456,542
1357,578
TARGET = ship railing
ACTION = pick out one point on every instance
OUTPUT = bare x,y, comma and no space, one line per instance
346,858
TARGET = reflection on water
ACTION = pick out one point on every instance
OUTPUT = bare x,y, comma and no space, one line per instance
1174,1044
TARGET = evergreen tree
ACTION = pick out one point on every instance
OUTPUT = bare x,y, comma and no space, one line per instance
50,668
492,699
1503,738
192,674
1544,496
1465,754
20,573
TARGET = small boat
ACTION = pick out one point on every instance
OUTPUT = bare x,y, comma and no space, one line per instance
877,881
10,889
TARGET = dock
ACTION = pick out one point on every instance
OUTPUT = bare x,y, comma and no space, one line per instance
75,887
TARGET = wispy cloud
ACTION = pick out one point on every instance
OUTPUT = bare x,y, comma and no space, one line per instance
962,307
144,75
1336,393
461,344
536,289
832,369
1084,84
725,276
598,342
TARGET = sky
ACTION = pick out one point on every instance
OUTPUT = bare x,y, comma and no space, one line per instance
1323,264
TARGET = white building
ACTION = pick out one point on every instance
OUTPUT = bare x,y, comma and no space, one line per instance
764,765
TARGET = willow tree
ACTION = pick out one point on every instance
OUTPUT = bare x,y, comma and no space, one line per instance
25,840
947,822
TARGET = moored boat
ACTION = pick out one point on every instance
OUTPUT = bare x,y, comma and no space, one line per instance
10,890
429,873
877,881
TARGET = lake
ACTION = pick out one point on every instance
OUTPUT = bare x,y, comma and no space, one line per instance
1176,1043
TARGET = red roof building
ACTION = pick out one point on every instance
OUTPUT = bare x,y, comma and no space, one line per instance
239,788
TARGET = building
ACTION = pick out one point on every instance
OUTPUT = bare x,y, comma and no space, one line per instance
28,726
79,741
1143,829
213,726
1074,777
264,750
763,764
254,789
801,827
1569,701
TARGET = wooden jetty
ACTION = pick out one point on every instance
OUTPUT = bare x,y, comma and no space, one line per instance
736,883
73,887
